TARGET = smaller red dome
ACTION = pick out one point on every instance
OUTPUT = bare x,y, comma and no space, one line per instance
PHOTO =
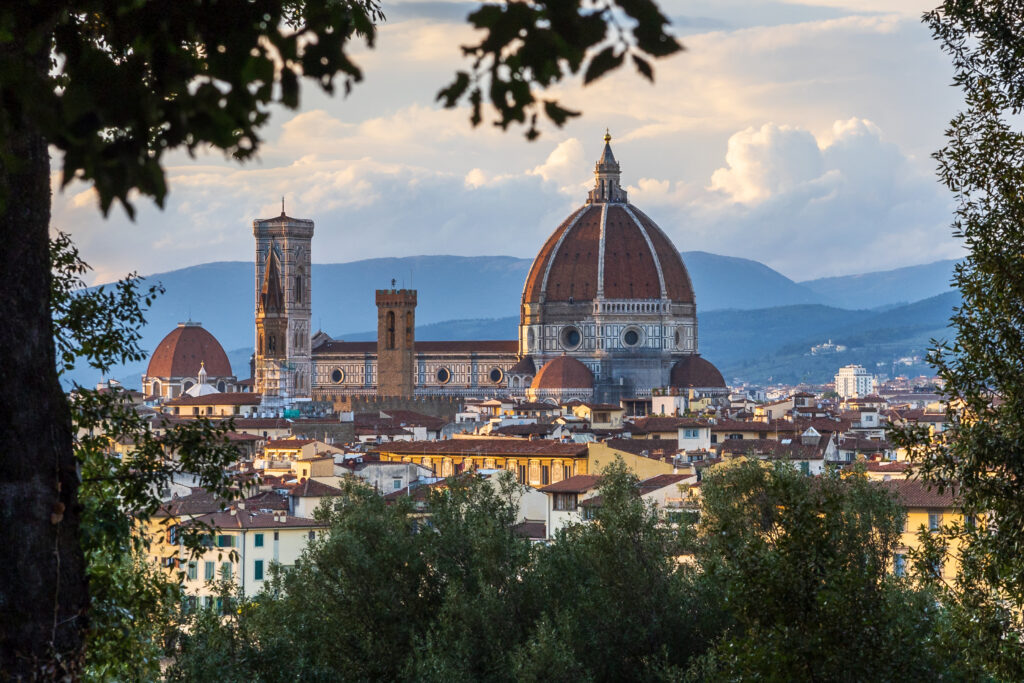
564,372
695,372
184,349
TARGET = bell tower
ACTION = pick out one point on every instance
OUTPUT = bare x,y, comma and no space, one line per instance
283,306
396,331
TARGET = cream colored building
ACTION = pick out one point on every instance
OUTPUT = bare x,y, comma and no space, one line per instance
243,547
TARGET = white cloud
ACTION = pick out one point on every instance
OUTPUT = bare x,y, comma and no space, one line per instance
811,207
387,172
767,161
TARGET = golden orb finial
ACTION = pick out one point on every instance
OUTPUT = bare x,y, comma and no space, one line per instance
607,136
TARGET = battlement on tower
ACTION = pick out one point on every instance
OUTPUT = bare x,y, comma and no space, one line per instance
396,297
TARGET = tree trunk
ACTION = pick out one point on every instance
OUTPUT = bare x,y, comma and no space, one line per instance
43,586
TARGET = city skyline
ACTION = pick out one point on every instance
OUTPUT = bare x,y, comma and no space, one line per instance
796,134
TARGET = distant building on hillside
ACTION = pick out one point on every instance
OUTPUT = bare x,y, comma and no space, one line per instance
853,380
827,348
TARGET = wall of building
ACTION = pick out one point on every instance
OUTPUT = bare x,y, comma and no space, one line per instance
284,550
436,406
600,455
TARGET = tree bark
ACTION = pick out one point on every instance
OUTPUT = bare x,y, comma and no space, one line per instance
43,585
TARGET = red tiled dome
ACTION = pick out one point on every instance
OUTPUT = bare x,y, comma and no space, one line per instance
694,371
181,352
639,262
564,372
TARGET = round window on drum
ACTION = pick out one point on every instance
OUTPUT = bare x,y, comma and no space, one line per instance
632,336
337,375
444,375
496,375
571,337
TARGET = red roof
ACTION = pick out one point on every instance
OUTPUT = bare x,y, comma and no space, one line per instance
261,423
661,481
694,371
564,372
753,426
310,488
288,443
499,447
248,519
912,493
633,247
183,350
525,366
656,423
575,484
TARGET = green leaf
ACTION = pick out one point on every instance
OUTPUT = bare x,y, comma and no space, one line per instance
603,61
643,67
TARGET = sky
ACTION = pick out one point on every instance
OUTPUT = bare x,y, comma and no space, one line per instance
795,133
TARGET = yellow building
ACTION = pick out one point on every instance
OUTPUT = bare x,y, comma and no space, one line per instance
297,449
535,462
214,405
246,537
160,528
601,455
599,415
927,511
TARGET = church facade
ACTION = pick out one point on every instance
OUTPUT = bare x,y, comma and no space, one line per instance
608,312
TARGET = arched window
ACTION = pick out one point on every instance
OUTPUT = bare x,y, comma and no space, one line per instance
408,329
156,388
271,344
391,330
221,386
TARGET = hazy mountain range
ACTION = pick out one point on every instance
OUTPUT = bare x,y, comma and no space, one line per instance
755,323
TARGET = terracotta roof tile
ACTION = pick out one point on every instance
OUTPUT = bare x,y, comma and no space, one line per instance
694,371
180,353
575,484
912,493
511,447
564,372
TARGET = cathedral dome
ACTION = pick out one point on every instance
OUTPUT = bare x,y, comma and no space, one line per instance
564,372
608,249
695,372
185,350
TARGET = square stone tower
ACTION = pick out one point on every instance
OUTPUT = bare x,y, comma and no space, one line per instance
396,340
283,261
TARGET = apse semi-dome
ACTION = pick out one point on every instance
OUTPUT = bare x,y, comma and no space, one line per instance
184,350
564,372
695,372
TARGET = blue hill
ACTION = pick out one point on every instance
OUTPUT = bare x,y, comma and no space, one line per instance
478,297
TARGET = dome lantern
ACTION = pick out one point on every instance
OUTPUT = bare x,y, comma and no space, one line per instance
607,187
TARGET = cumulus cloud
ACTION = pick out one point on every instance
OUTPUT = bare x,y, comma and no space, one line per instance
809,206
767,161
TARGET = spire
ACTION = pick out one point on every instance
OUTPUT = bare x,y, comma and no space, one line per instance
606,177
282,206
271,296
